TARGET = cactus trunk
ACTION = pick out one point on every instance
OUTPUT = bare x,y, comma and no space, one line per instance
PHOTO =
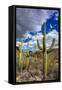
44,54
45,51
20,56
45,65
28,56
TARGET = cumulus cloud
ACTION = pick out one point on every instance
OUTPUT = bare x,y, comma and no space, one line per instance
30,19
29,23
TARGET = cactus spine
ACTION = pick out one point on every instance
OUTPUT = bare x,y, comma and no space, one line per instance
45,51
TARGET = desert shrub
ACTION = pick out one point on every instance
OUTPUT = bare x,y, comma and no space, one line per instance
21,63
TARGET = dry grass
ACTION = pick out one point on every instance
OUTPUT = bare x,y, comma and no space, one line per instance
31,68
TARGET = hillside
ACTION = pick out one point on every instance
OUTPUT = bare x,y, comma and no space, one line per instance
31,68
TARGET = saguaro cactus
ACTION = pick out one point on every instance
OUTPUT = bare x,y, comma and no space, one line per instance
27,55
20,55
45,51
28,48
20,49
21,61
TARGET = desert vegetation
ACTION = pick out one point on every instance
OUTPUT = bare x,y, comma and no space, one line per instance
32,70
39,66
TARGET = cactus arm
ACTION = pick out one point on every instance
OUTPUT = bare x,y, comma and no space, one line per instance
52,45
39,45
53,42
44,40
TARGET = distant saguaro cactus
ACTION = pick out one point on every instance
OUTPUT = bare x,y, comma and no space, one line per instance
20,55
45,51
27,55
27,48
20,49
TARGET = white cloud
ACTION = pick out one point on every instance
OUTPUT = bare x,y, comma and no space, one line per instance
53,34
26,35
33,43
50,36
39,36
51,26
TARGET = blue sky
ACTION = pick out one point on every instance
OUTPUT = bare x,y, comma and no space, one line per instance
30,22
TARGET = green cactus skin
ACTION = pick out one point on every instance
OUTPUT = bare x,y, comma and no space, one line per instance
45,51
27,49
28,56
20,56
20,47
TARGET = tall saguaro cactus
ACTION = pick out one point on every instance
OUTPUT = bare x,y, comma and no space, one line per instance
45,51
